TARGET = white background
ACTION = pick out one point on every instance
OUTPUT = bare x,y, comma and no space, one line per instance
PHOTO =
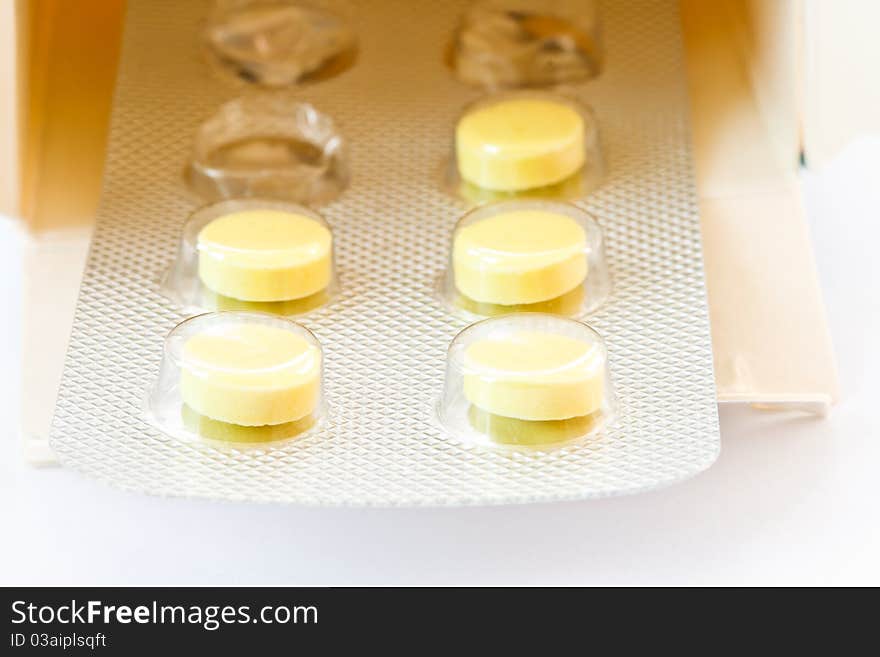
792,500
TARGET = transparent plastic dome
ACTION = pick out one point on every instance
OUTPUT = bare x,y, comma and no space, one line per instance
528,380
277,43
522,43
268,146
238,378
525,144
526,256
248,266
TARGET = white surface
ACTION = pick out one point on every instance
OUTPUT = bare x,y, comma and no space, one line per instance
792,500
48,263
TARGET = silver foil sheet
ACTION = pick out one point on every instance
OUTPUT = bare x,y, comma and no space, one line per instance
385,334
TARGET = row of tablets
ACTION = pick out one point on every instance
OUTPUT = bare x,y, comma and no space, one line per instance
525,379
276,257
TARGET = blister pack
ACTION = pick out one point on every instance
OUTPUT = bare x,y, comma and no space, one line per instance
386,354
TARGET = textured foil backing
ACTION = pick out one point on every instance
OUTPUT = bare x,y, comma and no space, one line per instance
385,334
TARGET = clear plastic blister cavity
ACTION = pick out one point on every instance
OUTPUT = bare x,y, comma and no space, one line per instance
272,146
528,380
253,255
526,256
238,378
277,43
533,144
522,43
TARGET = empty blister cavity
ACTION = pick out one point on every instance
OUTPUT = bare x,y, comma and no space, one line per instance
253,255
525,144
268,146
238,378
526,256
522,43
526,380
276,43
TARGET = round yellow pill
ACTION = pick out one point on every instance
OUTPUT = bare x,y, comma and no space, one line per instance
250,374
534,375
519,257
516,144
265,255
